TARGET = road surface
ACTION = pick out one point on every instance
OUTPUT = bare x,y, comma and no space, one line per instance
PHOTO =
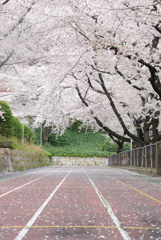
79,203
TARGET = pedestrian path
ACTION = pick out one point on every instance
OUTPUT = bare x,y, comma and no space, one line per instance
80,203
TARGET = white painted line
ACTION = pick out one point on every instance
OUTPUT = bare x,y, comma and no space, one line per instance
24,185
111,213
39,211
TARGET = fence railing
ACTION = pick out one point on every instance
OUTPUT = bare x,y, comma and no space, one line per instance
143,157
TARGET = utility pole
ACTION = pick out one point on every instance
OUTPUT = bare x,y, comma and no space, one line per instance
131,144
23,133
41,134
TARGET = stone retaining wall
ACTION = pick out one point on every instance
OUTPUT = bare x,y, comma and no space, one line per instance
78,161
16,160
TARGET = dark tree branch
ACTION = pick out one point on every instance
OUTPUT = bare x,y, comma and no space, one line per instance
128,81
152,95
114,139
79,31
98,70
19,22
7,58
154,80
95,18
110,132
137,124
119,72
5,2
91,86
86,93
113,48
151,68
80,95
126,131
107,130
157,27
155,42
137,88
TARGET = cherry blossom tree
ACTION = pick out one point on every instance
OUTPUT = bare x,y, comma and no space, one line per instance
94,60
121,46
33,46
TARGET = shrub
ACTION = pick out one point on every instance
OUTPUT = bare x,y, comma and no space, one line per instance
75,125
29,134
5,142
17,128
47,144
52,139
37,132
62,140
6,121
108,146
126,147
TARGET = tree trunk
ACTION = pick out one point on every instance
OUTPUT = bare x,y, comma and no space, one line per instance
155,123
146,134
120,146
46,133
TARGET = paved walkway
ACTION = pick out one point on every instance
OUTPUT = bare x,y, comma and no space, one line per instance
79,203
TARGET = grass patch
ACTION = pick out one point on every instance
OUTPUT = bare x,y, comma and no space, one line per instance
14,143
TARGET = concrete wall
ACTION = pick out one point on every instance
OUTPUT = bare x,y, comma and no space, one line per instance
78,161
16,160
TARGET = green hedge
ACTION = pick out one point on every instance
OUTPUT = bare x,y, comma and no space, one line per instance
17,128
29,134
6,121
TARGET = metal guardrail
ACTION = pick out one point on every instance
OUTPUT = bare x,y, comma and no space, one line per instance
143,157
